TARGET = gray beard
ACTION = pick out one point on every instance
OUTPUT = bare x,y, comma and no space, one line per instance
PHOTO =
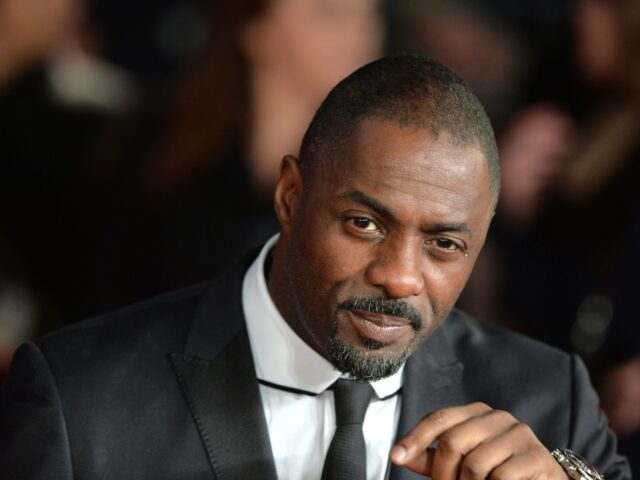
355,361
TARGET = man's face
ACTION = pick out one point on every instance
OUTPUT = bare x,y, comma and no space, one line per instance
378,248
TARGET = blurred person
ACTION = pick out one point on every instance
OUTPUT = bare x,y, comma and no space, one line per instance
55,94
479,45
58,39
568,225
28,29
209,147
536,146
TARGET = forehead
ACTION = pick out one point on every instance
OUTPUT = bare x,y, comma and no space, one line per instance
413,168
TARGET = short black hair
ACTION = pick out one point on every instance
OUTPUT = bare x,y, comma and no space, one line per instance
411,91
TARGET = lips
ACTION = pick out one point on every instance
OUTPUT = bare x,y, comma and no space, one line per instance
379,327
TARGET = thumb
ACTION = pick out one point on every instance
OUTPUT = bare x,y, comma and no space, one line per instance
420,462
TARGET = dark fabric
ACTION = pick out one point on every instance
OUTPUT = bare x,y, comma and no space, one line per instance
153,391
244,448
347,455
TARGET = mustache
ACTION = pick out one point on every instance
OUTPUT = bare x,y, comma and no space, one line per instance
385,306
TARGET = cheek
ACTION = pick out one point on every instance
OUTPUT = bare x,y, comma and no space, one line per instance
334,259
323,272
445,283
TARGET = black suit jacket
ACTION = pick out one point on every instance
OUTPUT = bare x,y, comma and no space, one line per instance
167,390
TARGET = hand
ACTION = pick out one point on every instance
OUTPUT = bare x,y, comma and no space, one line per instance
475,441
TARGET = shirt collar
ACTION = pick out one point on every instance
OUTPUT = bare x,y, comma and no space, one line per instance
280,355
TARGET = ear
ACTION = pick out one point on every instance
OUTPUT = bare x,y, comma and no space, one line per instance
288,192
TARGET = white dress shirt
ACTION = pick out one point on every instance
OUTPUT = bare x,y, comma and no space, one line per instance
301,425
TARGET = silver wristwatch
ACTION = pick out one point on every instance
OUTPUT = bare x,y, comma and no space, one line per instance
575,466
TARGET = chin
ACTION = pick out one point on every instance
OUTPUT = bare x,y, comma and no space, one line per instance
369,360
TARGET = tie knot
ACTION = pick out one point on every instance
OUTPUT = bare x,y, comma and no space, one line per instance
351,400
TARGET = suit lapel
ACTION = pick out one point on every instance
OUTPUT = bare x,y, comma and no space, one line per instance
433,380
218,380
225,402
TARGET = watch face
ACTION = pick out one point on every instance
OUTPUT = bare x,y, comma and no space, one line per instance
583,466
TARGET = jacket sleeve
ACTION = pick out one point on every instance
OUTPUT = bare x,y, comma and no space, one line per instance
33,435
590,435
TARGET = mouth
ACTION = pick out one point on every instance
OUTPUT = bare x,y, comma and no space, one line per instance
382,328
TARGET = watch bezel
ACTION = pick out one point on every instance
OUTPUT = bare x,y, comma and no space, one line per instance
575,466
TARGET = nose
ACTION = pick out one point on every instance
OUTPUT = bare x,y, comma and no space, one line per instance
398,268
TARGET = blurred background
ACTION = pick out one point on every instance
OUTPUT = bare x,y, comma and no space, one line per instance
140,144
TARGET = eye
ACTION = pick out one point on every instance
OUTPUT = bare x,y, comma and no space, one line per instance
365,224
444,245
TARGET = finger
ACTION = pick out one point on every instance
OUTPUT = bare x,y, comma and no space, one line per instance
422,463
430,428
532,464
459,441
489,455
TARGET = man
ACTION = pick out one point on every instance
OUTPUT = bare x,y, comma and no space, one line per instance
382,219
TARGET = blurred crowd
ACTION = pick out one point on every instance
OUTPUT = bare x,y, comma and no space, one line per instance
140,143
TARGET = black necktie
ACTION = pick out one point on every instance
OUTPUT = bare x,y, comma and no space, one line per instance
347,456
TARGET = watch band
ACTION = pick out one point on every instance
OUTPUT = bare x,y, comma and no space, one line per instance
575,466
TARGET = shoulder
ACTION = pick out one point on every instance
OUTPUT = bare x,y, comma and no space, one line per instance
157,312
543,387
478,341
155,326
507,370
199,320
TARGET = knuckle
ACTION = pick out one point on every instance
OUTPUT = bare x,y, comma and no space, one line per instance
523,430
536,468
501,474
503,416
450,445
472,469
481,406
409,440
506,472
439,417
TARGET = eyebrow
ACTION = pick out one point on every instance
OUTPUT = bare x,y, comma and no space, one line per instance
364,199
360,197
449,227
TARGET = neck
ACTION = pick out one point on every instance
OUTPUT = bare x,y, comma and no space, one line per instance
280,290
276,278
